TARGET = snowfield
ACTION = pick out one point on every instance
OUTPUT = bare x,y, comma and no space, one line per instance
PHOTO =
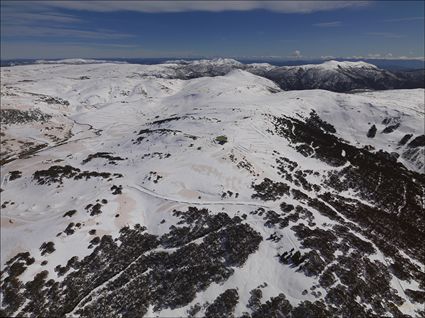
115,183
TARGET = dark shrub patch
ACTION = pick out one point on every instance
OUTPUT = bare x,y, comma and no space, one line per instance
94,209
56,174
15,175
391,128
405,139
163,121
270,190
315,121
70,213
371,133
224,305
105,155
277,306
417,142
417,296
221,139
47,248
15,116
116,189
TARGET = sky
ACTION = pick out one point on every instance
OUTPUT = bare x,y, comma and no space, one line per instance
238,29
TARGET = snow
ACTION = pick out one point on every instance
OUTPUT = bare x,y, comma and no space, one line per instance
74,61
212,62
335,65
116,101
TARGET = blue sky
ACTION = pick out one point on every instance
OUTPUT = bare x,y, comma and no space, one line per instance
250,29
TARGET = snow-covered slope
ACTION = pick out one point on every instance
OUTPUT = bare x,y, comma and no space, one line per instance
74,61
336,65
337,76
341,77
208,196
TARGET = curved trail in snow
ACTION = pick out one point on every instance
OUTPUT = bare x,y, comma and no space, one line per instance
97,132
163,197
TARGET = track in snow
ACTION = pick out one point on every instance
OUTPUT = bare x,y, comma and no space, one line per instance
163,197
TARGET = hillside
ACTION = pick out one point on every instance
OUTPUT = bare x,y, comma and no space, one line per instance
188,190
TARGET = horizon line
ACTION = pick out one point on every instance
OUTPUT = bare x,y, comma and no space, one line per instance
277,58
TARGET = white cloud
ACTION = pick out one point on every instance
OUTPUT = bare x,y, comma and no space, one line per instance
38,31
374,55
213,6
18,20
296,54
405,19
30,17
18,14
332,24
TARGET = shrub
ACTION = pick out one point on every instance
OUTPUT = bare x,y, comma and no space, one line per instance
221,139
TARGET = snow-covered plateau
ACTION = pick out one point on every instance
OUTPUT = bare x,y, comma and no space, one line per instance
154,190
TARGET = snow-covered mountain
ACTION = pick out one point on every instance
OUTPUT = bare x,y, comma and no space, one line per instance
330,75
150,190
76,61
343,77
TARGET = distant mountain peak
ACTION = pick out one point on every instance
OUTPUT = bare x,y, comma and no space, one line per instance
334,65
77,61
